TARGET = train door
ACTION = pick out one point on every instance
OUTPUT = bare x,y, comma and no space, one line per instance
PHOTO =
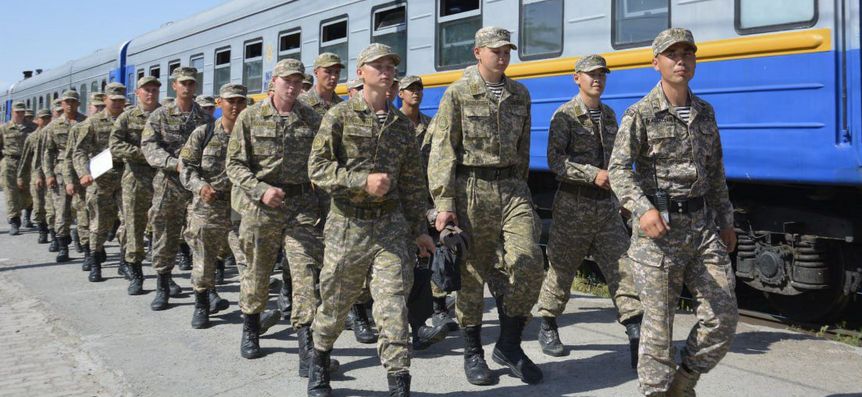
849,46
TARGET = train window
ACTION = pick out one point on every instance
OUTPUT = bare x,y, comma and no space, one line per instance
290,45
83,99
197,62
252,66
221,75
390,28
94,87
758,16
56,95
156,71
140,74
41,102
458,21
541,31
28,102
333,38
637,22
172,65
104,83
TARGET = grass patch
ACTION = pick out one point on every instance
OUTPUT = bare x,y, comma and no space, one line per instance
587,283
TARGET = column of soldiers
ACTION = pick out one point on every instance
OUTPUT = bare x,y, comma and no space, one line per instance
348,189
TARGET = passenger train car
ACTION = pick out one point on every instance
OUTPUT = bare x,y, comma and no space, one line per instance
784,77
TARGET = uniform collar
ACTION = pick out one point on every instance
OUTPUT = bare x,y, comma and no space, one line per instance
659,102
477,83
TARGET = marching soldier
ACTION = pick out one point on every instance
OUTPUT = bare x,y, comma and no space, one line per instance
677,194
137,179
12,137
365,156
207,104
586,214
56,109
30,170
166,131
307,82
478,166
354,86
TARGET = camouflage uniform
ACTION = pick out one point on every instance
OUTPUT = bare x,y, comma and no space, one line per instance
685,160
79,199
56,139
367,236
12,137
586,218
30,170
165,133
478,165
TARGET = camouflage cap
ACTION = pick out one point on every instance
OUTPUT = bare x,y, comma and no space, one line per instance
29,113
409,80
148,80
19,106
115,91
184,73
376,51
70,95
672,36
326,60
205,101
43,113
97,99
233,90
494,37
590,63
249,101
288,67
308,79
57,105
356,84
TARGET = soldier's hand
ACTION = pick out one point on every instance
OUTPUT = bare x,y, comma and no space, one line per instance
40,183
377,184
52,182
728,236
273,198
425,244
208,194
179,167
653,225
602,180
86,180
70,189
444,218
20,184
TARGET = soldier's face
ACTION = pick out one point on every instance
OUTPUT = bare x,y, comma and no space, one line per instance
42,121
378,74
69,106
591,83
148,95
18,116
115,106
328,77
95,109
287,88
676,64
412,95
495,60
231,107
185,88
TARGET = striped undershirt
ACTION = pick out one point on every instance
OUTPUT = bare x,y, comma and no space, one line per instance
595,115
381,117
684,112
496,89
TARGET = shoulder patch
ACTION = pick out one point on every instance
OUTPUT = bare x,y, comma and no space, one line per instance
443,122
185,153
233,146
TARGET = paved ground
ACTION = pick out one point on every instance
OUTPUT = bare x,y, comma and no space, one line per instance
65,336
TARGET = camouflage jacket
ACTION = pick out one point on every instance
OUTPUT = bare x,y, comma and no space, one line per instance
56,138
314,101
92,138
685,159
351,144
31,156
205,165
423,140
472,128
577,147
67,158
268,150
166,131
125,139
12,137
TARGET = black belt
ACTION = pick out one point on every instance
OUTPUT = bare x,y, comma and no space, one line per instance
488,173
294,189
682,205
595,193
364,212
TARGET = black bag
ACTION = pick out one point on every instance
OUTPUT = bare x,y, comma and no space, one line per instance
420,303
445,269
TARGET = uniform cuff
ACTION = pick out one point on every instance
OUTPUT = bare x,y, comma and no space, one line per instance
444,204
258,191
171,164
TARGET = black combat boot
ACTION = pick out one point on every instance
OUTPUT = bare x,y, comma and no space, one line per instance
475,367
15,226
101,255
216,302
269,319
112,233
361,326
43,233
306,345
136,283
77,240
399,384
318,374
424,336
219,272
184,258
441,315
201,315
27,222
549,338
55,243
633,330
160,302
96,269
63,249
173,288
508,352
123,266
249,347
89,258
285,299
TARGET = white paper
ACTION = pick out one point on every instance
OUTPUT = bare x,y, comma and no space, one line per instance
101,163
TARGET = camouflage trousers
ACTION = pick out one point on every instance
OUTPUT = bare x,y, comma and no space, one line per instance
167,217
583,226
137,199
357,250
15,198
62,206
102,197
238,203
690,254
262,232
206,234
81,214
504,251
43,210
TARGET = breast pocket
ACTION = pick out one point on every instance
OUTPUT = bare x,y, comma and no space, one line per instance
359,141
264,142
476,121
664,140
582,140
